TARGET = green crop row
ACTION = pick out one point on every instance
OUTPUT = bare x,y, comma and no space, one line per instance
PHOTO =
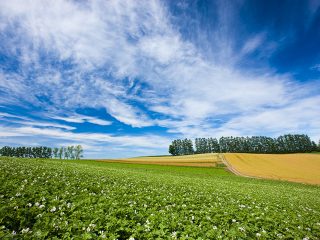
51,199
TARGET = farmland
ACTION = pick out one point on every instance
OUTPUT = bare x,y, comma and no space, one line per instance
303,168
41,199
196,160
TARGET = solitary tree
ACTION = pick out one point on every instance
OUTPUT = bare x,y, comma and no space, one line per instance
69,150
78,152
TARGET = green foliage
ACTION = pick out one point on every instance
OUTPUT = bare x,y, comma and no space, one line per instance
55,152
181,147
290,143
172,150
207,145
72,152
44,199
26,152
78,151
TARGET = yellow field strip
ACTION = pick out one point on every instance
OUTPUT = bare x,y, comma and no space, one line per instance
304,168
197,160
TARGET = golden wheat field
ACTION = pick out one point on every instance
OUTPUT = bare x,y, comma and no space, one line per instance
303,167
197,160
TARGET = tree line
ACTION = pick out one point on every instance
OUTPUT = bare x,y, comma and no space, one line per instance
289,143
68,152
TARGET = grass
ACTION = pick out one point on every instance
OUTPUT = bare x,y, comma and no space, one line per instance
303,168
43,199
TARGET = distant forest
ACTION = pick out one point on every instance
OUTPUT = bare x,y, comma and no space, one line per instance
69,152
290,143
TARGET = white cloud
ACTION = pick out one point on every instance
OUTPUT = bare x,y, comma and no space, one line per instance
26,121
316,67
70,119
78,118
93,139
162,49
128,58
5,115
98,121
44,124
302,116
252,44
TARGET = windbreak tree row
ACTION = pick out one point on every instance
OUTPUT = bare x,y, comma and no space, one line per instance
290,143
69,152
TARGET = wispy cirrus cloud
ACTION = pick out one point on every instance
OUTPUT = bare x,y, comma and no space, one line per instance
149,66
141,141
77,118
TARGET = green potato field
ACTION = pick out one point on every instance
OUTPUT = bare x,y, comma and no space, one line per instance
52,199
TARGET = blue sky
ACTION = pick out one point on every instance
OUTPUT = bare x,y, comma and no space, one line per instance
125,78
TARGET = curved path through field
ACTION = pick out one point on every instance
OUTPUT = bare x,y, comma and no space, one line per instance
303,168
230,168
